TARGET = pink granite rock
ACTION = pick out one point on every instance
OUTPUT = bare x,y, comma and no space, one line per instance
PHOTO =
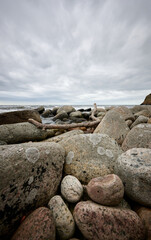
106,190
98,222
39,225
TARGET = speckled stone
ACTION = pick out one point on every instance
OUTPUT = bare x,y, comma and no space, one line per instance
140,119
90,155
138,137
39,225
29,176
134,168
125,112
71,189
145,214
98,222
114,125
64,221
107,190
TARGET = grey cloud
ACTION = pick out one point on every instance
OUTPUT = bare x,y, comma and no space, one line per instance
74,51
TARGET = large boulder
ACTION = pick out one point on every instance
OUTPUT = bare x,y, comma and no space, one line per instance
145,214
38,225
61,115
138,137
47,113
114,125
23,132
90,155
134,168
140,119
19,116
125,112
67,108
77,114
29,175
138,108
99,222
147,100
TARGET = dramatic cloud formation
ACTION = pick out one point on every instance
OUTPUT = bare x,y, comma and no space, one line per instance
75,52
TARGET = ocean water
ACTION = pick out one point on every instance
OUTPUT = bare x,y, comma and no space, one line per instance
10,108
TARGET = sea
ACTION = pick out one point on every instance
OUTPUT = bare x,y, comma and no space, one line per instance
10,108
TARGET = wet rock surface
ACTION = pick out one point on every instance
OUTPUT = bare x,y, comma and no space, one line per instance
98,222
37,226
134,168
29,175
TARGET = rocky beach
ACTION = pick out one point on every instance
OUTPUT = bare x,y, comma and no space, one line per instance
85,176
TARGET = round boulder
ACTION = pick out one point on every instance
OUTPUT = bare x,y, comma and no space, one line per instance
61,115
134,168
138,137
107,190
77,114
99,222
71,189
90,155
125,112
67,108
64,221
38,225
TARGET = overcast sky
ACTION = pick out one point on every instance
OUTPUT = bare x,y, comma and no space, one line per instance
75,51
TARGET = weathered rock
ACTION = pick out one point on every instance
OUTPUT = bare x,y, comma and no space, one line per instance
98,222
129,122
139,108
64,136
134,168
71,189
61,115
90,155
138,137
147,100
47,113
140,119
123,204
125,112
145,113
76,114
107,190
29,175
23,132
114,126
64,221
40,109
101,114
54,110
67,109
38,225
145,215
18,116
77,120
149,120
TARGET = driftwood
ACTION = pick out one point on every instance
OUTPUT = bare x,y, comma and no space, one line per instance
94,123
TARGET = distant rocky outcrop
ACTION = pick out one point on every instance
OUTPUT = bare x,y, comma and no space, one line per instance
147,100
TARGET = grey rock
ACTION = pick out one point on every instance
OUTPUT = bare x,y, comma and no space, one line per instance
23,132
113,125
47,113
145,113
134,168
67,108
64,221
19,116
40,109
71,189
138,137
90,155
64,136
77,114
54,110
29,175
125,112
140,119
61,115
